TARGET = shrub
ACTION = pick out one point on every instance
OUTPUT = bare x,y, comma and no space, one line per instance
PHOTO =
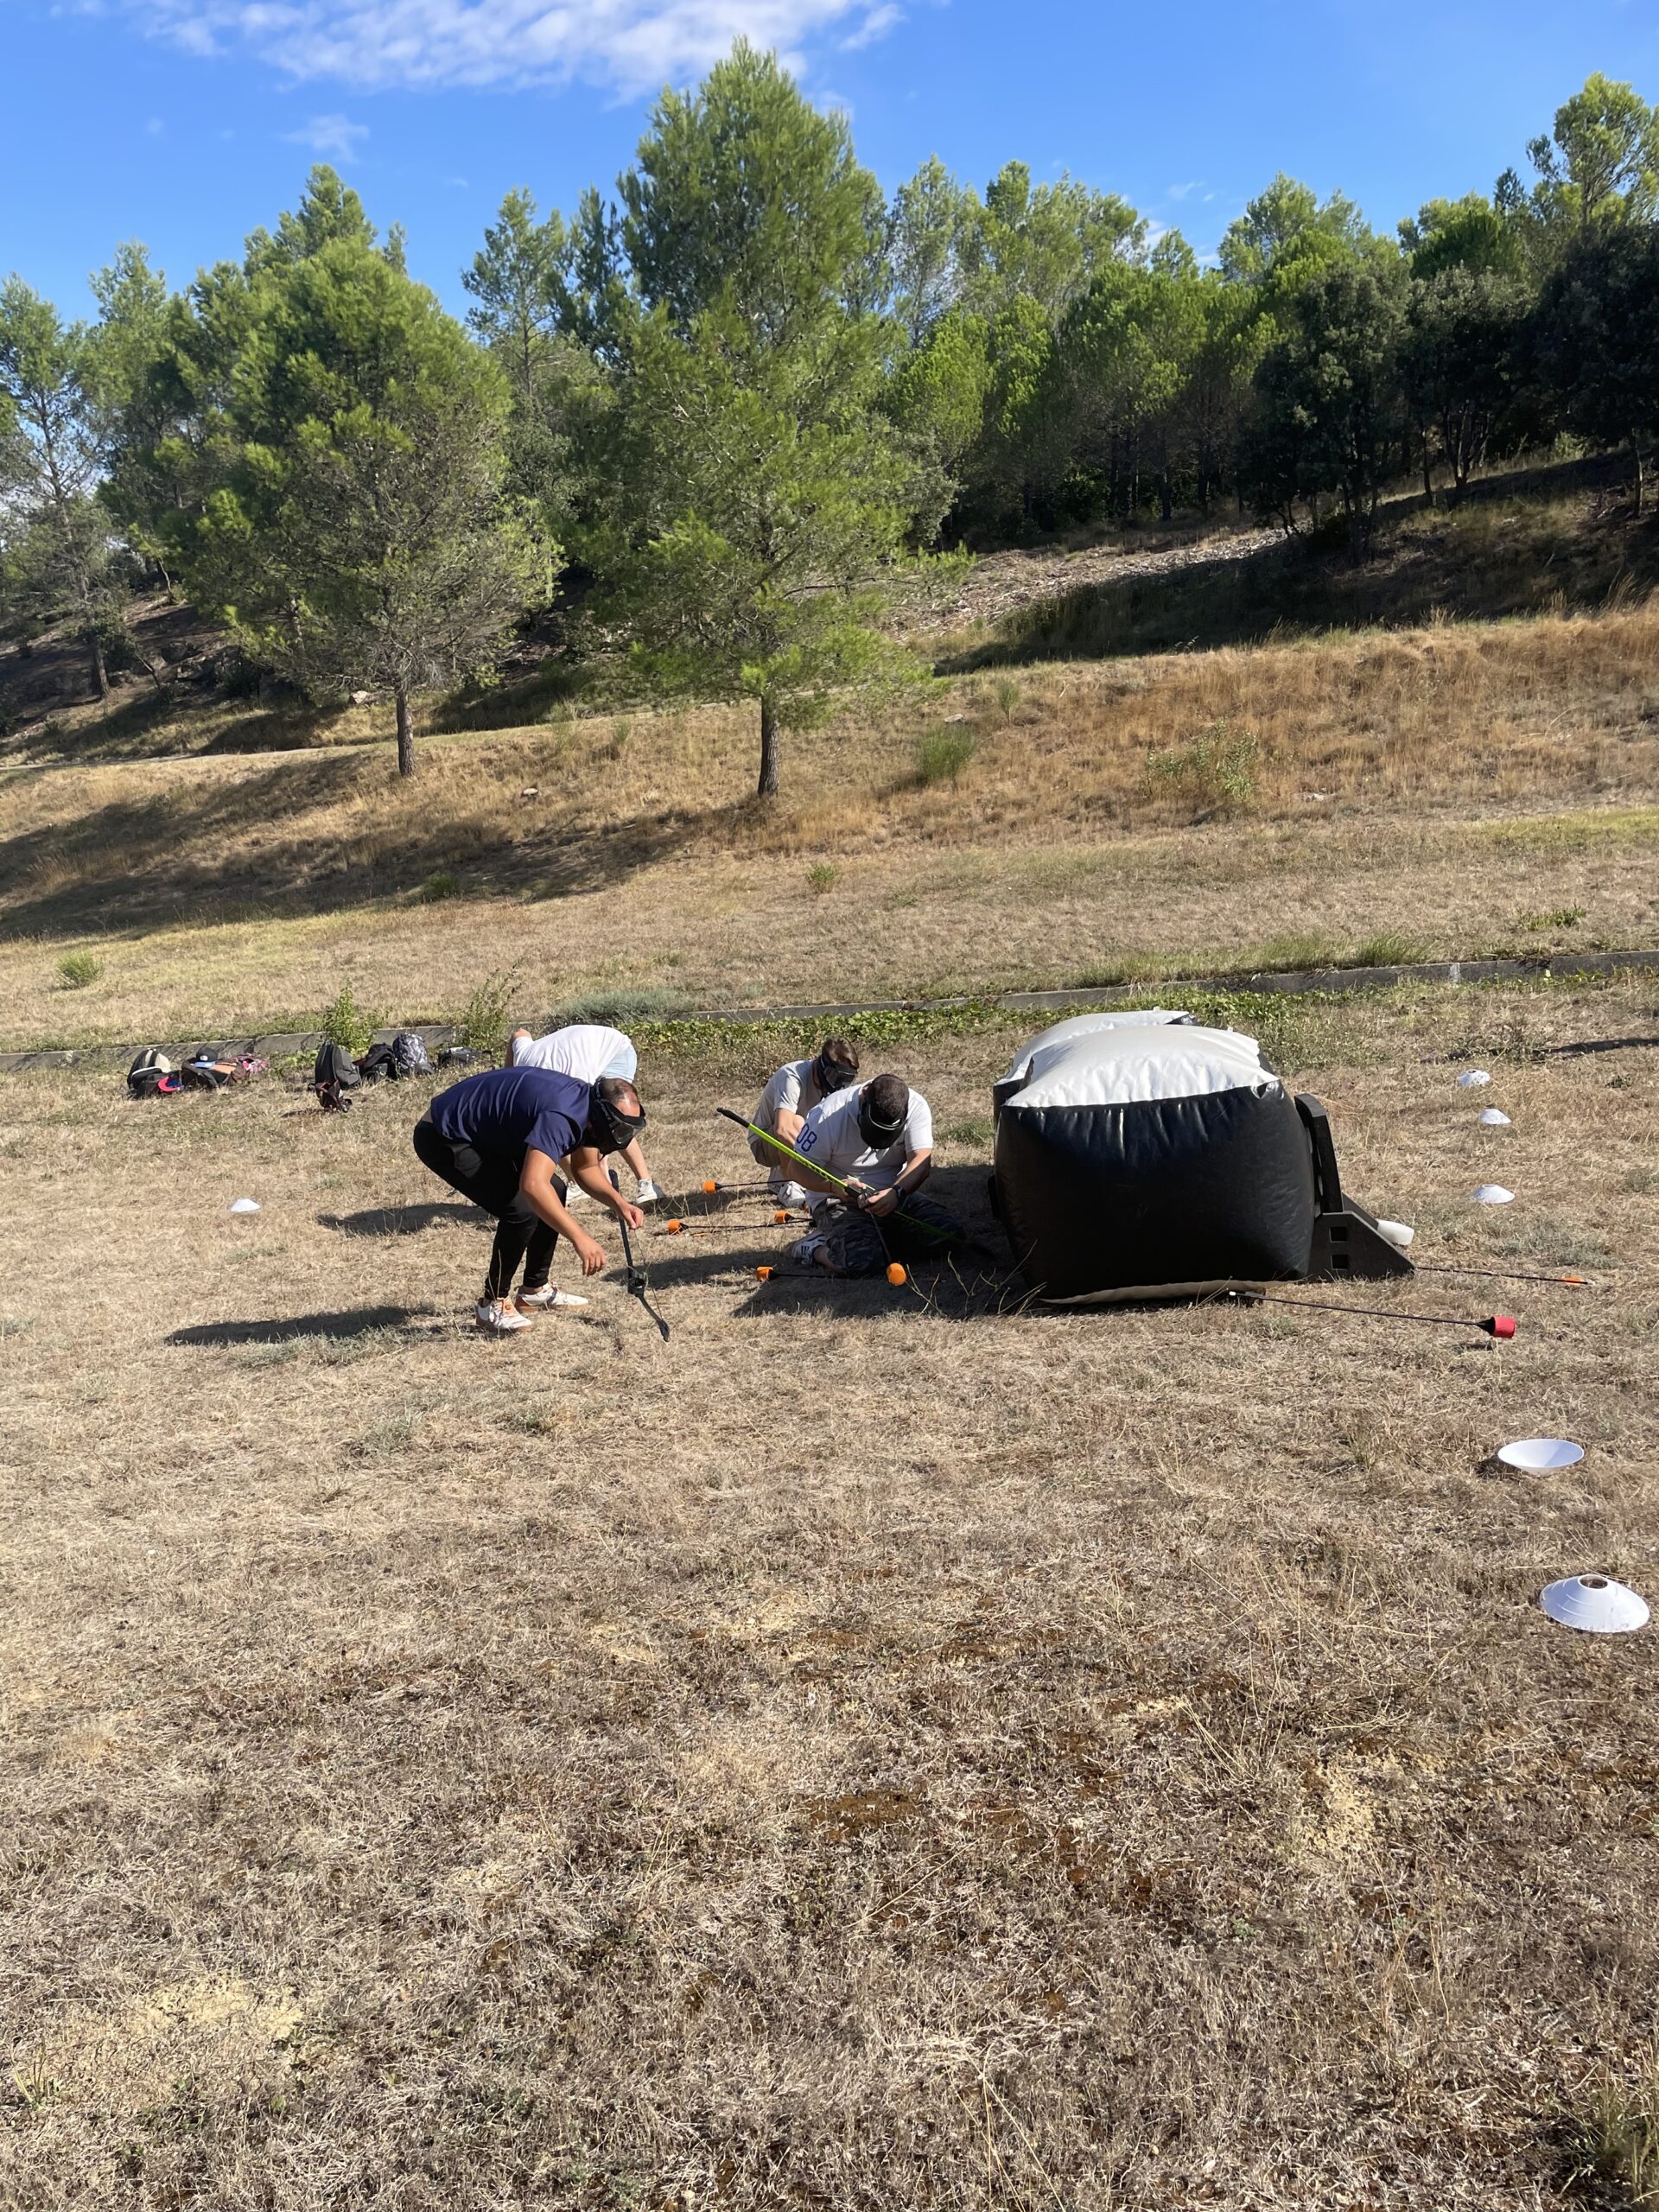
442,883
1006,692
80,969
822,877
1216,771
624,1003
941,757
481,1024
621,730
346,1023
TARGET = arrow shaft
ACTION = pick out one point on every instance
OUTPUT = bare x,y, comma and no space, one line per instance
822,1174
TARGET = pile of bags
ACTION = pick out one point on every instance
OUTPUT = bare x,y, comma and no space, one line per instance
336,1074
152,1075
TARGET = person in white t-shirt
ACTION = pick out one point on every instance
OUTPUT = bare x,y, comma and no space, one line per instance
586,1051
788,1098
877,1138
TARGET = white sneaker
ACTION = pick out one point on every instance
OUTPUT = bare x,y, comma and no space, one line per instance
647,1194
789,1194
806,1249
497,1318
537,1301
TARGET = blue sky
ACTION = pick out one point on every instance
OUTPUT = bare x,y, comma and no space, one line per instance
185,123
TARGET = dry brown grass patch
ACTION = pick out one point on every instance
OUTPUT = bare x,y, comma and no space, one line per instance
852,1754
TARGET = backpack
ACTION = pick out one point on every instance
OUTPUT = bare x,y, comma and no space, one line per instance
456,1056
411,1053
149,1072
200,1071
333,1076
153,1076
378,1061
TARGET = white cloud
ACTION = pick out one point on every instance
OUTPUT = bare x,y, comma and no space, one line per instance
631,46
1185,191
154,126
877,22
330,137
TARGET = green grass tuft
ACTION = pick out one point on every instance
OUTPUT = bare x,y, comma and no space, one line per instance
80,969
941,756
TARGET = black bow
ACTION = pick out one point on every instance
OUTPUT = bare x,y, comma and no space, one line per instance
638,1285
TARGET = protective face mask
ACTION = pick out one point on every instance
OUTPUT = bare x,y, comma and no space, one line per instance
614,1130
831,1076
877,1135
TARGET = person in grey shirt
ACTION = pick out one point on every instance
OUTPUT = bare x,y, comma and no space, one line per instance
788,1098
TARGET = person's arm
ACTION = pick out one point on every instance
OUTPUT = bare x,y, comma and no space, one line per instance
912,1176
540,1192
587,1165
806,1177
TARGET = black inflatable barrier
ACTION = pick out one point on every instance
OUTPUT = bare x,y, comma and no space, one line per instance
1145,1157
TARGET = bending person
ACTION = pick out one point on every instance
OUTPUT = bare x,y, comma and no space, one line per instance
789,1097
879,1139
588,1050
497,1138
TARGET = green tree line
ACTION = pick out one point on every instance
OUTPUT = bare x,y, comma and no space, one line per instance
736,410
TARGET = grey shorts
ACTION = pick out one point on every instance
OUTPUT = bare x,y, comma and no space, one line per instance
856,1244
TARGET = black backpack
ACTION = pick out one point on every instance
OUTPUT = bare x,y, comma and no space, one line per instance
378,1061
411,1053
152,1075
332,1077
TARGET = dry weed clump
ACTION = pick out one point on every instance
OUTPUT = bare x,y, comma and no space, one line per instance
900,1752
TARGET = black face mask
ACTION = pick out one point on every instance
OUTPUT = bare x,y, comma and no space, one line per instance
831,1076
879,1135
610,1128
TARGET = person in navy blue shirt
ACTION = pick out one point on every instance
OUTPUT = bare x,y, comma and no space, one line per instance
497,1139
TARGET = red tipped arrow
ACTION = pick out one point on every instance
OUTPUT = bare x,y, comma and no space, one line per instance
1494,1324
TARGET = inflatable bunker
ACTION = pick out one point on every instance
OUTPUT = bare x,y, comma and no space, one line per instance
1139,1155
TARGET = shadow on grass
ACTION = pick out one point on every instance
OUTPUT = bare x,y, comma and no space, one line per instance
152,862
1600,1045
402,1221
303,1328
1508,547
972,1284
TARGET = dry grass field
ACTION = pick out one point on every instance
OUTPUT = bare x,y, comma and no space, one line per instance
879,1750
1452,790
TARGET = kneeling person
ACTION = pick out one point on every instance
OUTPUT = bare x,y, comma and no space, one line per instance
878,1138
497,1139
788,1098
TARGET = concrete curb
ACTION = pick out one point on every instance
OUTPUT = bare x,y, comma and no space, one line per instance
435,1036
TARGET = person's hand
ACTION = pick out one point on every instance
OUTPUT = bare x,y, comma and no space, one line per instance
881,1203
592,1256
632,1215
858,1193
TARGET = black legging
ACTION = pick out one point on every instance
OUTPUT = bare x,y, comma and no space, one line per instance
490,1180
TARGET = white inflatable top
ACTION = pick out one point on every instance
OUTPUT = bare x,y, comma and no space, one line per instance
1119,1059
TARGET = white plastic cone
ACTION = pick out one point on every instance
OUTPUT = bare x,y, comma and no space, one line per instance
1594,1602
1540,1455
1493,1194
1494,1117
1473,1080
245,1205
